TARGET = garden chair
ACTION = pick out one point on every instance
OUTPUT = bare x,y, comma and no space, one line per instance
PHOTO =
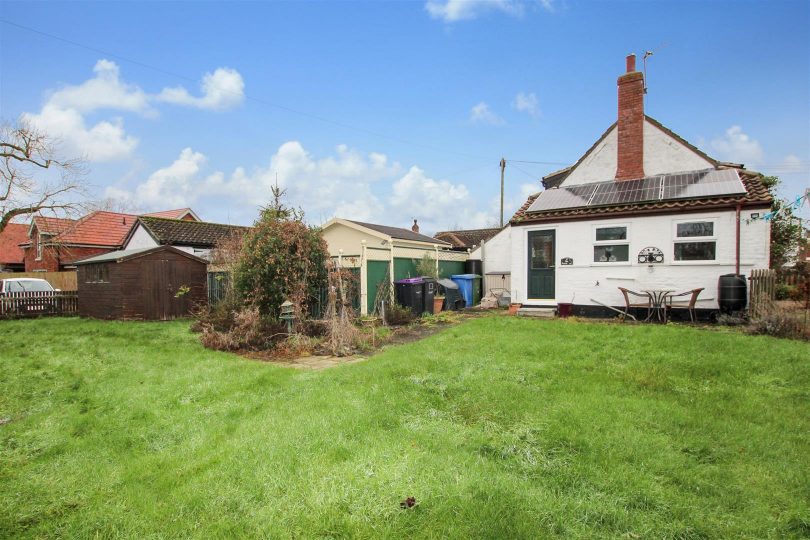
688,305
628,304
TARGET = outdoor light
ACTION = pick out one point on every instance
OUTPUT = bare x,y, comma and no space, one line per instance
287,314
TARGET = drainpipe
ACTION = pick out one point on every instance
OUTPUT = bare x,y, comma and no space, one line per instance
737,258
436,249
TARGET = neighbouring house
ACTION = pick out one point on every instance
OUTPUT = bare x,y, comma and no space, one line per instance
54,244
376,249
641,209
154,283
467,239
195,237
12,256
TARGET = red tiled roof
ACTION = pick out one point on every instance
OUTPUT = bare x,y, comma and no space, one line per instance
10,239
52,225
170,214
98,229
467,238
757,196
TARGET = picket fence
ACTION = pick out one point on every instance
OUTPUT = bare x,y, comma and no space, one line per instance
39,303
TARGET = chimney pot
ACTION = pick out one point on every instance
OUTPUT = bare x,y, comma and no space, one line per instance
631,63
415,226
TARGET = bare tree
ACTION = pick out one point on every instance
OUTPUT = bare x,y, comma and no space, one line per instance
32,179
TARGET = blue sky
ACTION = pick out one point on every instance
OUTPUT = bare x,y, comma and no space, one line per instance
385,111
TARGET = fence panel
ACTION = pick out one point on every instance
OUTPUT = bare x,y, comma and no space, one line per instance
39,303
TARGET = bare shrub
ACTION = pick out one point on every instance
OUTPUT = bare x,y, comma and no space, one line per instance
249,331
776,320
342,335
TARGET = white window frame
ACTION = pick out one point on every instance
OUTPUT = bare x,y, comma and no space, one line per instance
39,247
595,243
694,239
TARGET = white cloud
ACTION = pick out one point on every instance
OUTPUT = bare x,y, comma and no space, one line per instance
173,186
792,164
527,103
435,203
482,114
104,141
104,91
451,11
736,146
223,89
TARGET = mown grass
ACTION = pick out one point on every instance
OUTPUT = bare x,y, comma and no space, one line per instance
499,427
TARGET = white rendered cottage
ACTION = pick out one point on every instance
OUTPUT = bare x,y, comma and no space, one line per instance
642,209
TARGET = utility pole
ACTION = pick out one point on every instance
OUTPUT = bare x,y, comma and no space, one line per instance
503,166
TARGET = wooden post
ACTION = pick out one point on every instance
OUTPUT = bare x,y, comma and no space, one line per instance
503,166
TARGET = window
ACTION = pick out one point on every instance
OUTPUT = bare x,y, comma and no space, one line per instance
39,247
695,241
96,273
610,244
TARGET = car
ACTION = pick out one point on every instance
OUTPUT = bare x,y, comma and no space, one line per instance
36,304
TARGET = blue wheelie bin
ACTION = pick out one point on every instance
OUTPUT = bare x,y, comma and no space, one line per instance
467,285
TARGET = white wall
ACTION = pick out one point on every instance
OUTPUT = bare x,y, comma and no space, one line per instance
585,280
662,154
140,239
496,252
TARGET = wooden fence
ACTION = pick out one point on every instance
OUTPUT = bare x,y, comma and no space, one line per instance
64,281
761,292
39,303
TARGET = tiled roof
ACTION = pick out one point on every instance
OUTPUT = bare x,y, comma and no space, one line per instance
467,238
100,228
398,233
177,232
11,237
52,225
757,195
171,214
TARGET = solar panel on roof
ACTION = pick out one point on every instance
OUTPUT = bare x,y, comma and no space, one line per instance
557,198
699,184
688,185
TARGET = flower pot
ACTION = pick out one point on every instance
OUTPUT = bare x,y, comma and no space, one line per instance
437,304
513,308
564,309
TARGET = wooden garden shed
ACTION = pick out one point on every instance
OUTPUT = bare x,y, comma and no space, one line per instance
157,283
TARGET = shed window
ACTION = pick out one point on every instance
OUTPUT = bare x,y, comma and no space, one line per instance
610,244
695,241
96,273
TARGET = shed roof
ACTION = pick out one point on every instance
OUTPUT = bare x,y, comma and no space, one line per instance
399,233
178,232
124,254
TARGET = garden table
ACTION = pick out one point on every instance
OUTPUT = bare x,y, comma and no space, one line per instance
658,307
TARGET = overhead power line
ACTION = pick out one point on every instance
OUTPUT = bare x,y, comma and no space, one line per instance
246,96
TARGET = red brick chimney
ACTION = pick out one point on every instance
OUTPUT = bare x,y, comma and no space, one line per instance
631,123
415,226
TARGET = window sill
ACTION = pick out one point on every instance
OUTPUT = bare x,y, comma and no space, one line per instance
611,264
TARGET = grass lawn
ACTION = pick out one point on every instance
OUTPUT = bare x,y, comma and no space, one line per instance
499,427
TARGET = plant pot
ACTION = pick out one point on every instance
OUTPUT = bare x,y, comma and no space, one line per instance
513,308
564,309
437,304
